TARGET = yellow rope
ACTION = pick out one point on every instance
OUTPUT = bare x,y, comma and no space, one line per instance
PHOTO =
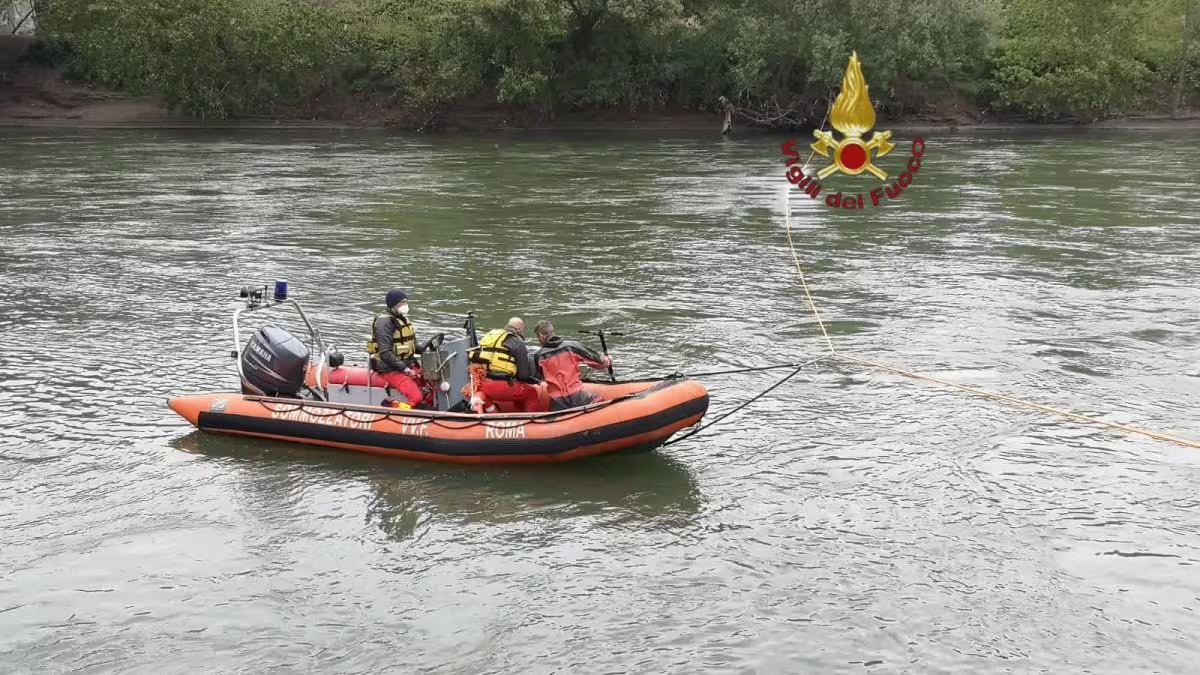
787,216
972,390
1017,401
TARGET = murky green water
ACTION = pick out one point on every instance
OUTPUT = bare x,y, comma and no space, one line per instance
852,521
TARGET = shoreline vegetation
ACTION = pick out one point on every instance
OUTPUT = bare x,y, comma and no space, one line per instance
600,65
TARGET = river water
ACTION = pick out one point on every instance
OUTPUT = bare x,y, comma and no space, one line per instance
851,521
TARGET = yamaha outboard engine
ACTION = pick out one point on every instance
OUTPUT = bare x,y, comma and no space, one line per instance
273,363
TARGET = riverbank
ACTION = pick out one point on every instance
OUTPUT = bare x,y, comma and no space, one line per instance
34,96
105,110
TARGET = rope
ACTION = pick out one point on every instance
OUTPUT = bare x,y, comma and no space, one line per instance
787,211
804,284
743,370
761,394
821,126
1017,401
979,392
399,416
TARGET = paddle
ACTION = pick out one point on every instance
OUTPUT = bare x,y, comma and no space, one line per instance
604,347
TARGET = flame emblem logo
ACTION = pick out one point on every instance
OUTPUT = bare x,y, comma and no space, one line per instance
853,116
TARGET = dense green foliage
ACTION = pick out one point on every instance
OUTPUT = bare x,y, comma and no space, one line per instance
1089,58
778,61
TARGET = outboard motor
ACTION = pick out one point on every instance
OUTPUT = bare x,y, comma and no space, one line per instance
273,363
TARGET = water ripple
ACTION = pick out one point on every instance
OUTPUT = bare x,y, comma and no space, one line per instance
853,521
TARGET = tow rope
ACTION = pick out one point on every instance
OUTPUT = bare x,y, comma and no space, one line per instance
751,370
972,390
757,396
834,353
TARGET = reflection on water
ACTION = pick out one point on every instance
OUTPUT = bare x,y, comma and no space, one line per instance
621,489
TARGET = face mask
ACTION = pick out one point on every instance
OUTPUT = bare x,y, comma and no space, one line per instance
403,309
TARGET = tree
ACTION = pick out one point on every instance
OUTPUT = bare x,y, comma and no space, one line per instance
1072,58
1177,108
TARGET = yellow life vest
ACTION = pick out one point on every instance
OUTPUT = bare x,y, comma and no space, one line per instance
491,349
404,338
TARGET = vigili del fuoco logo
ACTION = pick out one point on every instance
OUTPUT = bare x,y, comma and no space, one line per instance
853,117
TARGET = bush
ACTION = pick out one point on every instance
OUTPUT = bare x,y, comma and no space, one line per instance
1071,58
778,60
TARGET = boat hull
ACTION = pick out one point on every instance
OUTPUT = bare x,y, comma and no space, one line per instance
637,416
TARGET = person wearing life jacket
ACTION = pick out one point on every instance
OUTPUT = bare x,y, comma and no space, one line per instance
557,362
509,368
392,346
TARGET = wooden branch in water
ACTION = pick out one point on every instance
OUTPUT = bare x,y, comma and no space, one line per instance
766,117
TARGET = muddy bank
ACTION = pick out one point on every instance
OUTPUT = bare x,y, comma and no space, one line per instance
30,94
34,96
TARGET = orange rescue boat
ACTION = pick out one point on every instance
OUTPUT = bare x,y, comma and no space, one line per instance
303,393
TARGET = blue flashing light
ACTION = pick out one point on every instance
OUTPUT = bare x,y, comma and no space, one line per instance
281,289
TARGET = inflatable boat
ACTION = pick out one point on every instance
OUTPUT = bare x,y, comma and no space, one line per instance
303,393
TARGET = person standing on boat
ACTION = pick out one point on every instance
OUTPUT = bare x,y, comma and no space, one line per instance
557,362
509,368
392,346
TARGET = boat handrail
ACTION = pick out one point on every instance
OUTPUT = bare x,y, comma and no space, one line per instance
433,415
256,302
